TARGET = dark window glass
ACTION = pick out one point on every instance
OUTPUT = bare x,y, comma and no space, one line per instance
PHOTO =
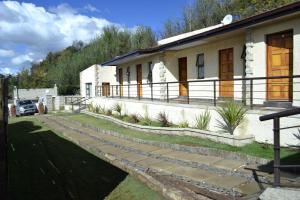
149,78
200,65
88,91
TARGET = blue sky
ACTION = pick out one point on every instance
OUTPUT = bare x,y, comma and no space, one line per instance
29,30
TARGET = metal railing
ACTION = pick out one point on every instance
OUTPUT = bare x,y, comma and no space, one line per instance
70,99
249,91
80,102
276,131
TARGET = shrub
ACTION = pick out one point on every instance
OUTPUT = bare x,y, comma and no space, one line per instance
96,109
146,121
117,108
163,119
203,120
183,124
108,112
134,118
90,107
232,114
63,108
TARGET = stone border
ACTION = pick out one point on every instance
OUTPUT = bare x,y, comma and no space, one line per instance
201,150
221,138
128,166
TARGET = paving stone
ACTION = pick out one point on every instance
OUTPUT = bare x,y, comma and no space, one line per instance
144,147
280,194
133,157
162,151
227,182
148,162
228,164
250,188
192,173
192,157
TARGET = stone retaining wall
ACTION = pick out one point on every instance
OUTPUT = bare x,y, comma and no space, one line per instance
217,137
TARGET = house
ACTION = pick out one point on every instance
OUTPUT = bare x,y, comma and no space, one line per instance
255,61
97,79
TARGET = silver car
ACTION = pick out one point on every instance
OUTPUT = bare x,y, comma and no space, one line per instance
26,107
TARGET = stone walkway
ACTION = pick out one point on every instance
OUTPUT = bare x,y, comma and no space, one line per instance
200,175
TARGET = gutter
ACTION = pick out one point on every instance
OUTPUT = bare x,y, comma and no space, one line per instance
269,15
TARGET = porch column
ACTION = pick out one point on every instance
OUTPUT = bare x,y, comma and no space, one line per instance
248,65
162,78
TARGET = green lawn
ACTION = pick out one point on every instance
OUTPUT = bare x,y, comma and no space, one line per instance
43,165
254,149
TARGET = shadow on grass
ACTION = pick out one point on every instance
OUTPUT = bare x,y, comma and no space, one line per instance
43,165
291,173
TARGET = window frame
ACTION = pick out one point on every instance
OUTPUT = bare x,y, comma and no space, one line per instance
150,75
200,66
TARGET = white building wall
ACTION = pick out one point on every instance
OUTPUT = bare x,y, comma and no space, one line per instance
88,76
263,131
96,74
259,51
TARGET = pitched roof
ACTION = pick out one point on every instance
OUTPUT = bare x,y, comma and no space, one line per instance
217,30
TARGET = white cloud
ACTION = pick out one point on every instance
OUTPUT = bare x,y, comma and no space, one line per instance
6,70
39,30
91,8
6,53
22,59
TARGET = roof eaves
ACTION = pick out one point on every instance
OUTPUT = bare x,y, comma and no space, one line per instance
272,14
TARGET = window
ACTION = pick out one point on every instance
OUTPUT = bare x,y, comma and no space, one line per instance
200,65
128,74
88,89
149,77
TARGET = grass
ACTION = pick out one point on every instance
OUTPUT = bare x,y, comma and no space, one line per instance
43,165
254,149
130,189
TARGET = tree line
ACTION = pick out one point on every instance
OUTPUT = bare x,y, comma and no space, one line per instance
63,67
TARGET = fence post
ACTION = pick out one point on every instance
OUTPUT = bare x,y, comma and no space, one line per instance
139,91
188,92
168,92
251,94
128,93
120,91
276,131
151,91
215,93
112,91
3,139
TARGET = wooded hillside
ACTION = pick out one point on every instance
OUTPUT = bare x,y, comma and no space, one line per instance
63,67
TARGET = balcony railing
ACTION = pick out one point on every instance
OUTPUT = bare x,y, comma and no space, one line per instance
249,91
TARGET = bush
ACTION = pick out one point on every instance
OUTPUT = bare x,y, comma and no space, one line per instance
203,120
146,121
232,115
117,108
61,107
108,112
134,118
183,124
163,119
90,107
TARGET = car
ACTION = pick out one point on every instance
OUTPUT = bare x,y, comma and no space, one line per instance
26,107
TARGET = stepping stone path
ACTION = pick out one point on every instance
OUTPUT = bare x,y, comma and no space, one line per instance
196,176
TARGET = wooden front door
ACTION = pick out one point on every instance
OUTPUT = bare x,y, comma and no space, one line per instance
182,63
226,73
121,81
105,89
279,63
139,79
